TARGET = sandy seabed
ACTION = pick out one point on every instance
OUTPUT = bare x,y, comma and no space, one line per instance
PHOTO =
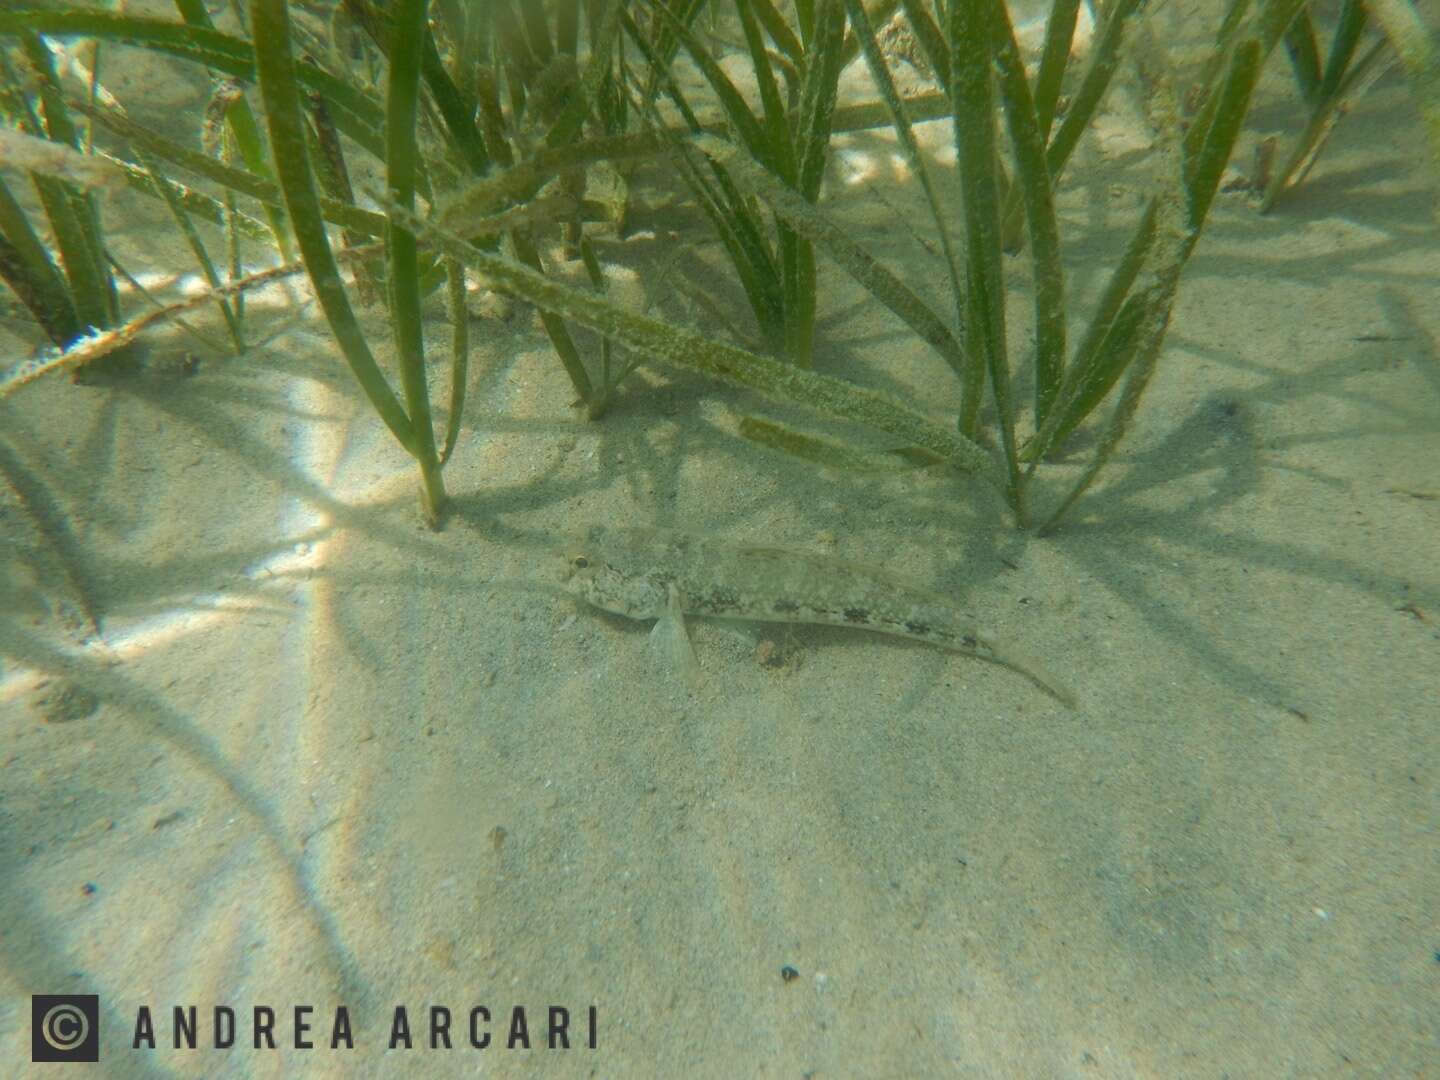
320,756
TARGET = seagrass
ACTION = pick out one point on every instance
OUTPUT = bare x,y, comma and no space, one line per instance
488,121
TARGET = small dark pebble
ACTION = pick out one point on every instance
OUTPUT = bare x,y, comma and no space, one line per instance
789,974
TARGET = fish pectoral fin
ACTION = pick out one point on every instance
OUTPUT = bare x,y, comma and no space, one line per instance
673,640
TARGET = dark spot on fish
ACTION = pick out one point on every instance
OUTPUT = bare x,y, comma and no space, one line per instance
856,614
918,627
785,607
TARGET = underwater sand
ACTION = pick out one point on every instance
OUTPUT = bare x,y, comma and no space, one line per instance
328,757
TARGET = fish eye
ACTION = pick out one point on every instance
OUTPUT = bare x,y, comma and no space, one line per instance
580,562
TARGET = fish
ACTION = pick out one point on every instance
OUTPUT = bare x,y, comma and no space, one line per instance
664,574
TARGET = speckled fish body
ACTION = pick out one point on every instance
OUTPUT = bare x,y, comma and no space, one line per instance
646,573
